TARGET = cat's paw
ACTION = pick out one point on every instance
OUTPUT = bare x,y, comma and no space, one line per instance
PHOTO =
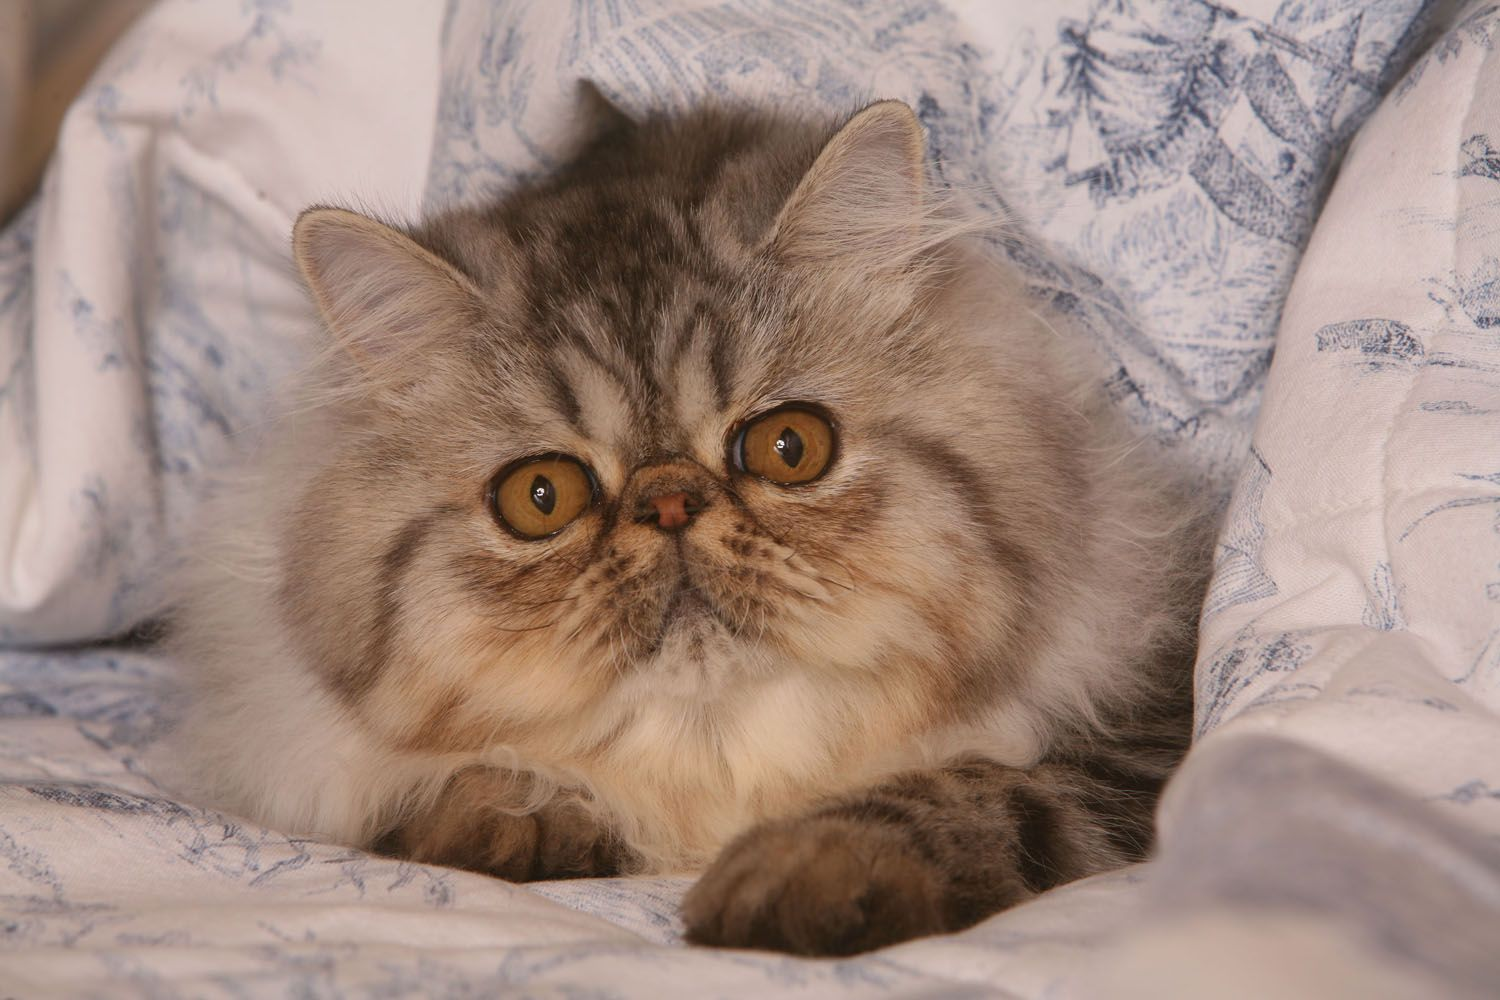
468,826
819,885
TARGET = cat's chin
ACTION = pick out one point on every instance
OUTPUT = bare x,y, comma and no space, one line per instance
694,654
688,618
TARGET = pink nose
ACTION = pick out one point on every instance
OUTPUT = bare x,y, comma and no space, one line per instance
671,510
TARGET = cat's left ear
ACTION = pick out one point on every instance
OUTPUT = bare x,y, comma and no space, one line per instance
380,293
863,194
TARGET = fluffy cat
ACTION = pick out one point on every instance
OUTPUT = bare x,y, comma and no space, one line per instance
715,503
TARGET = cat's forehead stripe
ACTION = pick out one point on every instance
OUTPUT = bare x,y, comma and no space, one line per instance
565,399
602,394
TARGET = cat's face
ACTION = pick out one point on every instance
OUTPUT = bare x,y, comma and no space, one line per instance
642,438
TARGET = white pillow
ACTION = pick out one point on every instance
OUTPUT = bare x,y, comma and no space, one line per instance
1357,601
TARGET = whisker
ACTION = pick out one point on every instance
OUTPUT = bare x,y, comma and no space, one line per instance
543,604
527,628
552,551
829,559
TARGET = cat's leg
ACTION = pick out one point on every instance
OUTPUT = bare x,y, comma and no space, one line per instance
468,826
923,853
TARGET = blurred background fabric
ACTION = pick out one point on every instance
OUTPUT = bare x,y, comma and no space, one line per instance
48,50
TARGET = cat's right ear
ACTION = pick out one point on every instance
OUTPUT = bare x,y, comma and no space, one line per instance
379,292
597,117
864,202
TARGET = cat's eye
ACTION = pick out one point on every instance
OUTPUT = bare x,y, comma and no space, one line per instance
790,445
540,496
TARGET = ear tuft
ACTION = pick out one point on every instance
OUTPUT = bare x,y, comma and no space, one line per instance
869,180
379,292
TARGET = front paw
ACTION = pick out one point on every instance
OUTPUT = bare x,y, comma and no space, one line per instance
818,885
471,826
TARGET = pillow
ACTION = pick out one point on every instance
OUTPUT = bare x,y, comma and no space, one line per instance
1335,828
1356,602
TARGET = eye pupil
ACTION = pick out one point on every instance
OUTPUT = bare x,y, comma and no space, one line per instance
543,494
789,447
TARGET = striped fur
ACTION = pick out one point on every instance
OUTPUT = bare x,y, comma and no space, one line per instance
937,850
993,570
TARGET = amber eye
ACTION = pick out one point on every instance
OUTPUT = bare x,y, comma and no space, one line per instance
537,497
790,445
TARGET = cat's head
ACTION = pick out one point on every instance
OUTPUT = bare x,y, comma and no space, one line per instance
705,411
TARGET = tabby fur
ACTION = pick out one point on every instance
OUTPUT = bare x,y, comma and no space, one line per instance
950,673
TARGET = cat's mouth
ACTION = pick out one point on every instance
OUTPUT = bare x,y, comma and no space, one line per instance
688,612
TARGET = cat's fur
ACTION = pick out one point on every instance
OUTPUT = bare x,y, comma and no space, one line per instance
945,676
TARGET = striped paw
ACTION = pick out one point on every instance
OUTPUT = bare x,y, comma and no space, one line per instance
818,885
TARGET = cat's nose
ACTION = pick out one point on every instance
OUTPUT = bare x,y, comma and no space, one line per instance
670,511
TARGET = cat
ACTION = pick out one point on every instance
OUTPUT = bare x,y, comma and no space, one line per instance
717,503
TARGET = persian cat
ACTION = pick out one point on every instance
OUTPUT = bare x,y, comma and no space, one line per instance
717,504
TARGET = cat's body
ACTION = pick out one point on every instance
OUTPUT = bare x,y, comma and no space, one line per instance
948,642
